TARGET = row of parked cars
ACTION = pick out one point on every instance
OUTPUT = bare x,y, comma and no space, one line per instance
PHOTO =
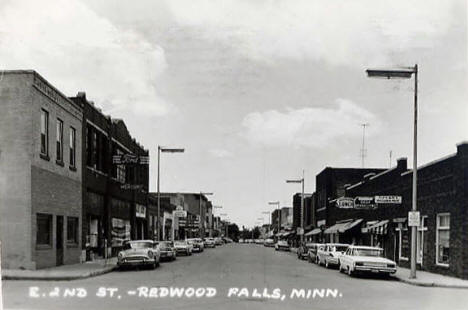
150,253
351,259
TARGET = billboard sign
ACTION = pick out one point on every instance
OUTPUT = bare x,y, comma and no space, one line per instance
345,203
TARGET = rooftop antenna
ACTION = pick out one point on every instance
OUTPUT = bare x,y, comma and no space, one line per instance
363,149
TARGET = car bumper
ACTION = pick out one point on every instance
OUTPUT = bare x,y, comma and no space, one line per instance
283,248
184,251
167,254
371,269
333,261
136,262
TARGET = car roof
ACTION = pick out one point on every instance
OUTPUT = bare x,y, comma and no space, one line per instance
133,241
365,247
337,244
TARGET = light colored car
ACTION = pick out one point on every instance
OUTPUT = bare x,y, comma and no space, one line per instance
313,250
303,251
366,259
183,247
282,245
139,253
331,253
219,241
167,249
210,243
269,243
197,244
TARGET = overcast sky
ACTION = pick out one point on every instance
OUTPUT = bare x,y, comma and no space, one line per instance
255,91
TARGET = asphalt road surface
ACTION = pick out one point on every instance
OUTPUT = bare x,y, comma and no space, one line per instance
233,271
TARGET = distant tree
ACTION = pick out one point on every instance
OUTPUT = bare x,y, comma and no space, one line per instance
233,231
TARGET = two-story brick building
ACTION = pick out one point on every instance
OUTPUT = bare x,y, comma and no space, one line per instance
40,173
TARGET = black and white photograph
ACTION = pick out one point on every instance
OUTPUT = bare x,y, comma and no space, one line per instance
234,154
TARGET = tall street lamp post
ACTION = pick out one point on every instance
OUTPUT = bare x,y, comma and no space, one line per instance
162,150
277,203
302,203
406,73
200,211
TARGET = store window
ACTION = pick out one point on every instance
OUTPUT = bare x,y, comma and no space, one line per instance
420,240
59,142
443,239
44,229
72,230
44,132
403,241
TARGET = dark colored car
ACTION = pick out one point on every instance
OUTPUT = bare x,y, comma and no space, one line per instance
167,249
303,250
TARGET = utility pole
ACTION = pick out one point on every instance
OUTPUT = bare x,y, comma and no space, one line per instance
390,163
363,149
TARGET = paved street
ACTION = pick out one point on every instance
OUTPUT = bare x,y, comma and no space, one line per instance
236,266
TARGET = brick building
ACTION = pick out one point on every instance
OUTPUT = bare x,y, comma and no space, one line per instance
40,173
308,210
442,203
113,208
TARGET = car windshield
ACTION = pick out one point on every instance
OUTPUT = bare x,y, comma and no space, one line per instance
340,248
165,244
180,243
367,252
137,245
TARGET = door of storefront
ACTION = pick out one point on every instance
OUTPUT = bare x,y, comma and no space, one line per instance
59,241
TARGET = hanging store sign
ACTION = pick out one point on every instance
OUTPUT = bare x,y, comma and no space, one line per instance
364,203
300,231
389,199
179,213
130,159
345,203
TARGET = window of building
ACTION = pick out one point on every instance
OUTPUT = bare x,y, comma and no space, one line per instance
443,239
72,147
43,229
59,143
44,132
121,175
72,230
420,240
403,241
94,148
89,153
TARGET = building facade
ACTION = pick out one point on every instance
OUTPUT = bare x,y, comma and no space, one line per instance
40,173
441,200
115,196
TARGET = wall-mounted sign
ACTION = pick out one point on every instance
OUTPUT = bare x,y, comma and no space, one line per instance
364,203
140,211
179,213
131,186
345,203
413,218
130,159
390,199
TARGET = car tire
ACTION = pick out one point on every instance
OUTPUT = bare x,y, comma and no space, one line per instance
349,272
326,264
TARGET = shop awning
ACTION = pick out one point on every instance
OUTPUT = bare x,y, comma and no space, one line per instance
313,232
349,225
379,229
335,228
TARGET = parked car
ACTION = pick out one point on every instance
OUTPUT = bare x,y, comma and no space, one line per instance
227,240
183,247
210,243
139,253
366,259
282,245
168,252
303,251
269,243
219,241
259,241
331,253
197,244
313,249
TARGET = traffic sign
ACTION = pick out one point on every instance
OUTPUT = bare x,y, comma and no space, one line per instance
179,213
413,218
300,231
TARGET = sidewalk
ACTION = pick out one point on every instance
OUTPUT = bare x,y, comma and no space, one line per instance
63,273
424,278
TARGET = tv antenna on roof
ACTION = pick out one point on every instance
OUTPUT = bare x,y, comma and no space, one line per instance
363,149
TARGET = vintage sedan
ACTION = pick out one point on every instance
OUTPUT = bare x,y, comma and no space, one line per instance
331,253
303,251
219,241
183,247
197,244
282,245
210,243
269,243
366,259
168,252
313,251
139,253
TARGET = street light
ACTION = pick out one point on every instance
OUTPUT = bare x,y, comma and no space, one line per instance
163,150
277,203
302,202
406,73
200,210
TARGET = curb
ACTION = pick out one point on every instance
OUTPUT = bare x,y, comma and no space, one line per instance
430,284
60,278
